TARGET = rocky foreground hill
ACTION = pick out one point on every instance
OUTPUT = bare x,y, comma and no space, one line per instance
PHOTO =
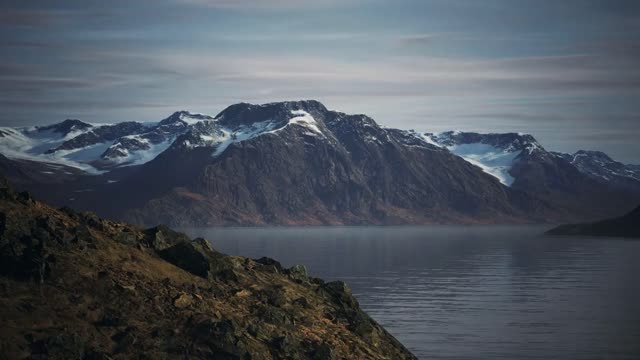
627,226
74,286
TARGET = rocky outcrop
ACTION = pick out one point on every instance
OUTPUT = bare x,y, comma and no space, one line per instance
74,286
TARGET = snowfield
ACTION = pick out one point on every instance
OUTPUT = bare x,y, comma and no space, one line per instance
490,159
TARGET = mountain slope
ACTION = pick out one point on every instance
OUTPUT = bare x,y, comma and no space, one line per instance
496,154
299,163
322,167
74,286
600,167
521,163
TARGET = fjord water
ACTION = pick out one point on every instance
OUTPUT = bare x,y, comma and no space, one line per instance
472,292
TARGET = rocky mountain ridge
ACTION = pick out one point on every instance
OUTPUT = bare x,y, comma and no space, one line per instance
600,167
299,163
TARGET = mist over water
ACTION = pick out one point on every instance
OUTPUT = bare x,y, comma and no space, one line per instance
481,292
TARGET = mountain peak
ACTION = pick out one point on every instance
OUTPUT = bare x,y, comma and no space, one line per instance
66,126
185,117
505,141
246,114
307,105
593,154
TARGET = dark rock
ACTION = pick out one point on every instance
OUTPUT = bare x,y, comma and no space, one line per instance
274,315
186,256
361,324
323,352
273,296
59,347
283,344
161,237
124,339
109,319
270,263
25,198
126,238
302,302
204,244
298,272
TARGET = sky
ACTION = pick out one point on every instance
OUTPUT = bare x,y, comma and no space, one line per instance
567,72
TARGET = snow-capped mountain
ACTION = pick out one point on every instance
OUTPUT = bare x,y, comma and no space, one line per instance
33,143
519,161
298,163
495,154
96,148
601,167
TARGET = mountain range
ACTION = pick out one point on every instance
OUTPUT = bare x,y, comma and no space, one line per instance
298,163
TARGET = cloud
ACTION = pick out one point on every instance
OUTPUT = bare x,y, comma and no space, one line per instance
25,18
578,74
270,4
415,39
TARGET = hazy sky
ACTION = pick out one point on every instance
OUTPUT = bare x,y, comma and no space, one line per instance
567,72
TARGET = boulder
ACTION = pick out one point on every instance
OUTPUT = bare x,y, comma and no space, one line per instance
183,300
270,264
186,256
161,238
298,272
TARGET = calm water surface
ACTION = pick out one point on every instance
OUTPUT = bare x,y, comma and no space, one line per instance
472,292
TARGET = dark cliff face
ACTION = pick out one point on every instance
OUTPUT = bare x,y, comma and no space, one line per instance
74,286
557,181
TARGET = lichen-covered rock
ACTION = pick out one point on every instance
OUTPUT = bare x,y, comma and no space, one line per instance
298,272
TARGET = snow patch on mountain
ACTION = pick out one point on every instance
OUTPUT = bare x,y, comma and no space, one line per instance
305,119
495,154
241,134
143,152
192,118
490,159
213,134
82,155
31,143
